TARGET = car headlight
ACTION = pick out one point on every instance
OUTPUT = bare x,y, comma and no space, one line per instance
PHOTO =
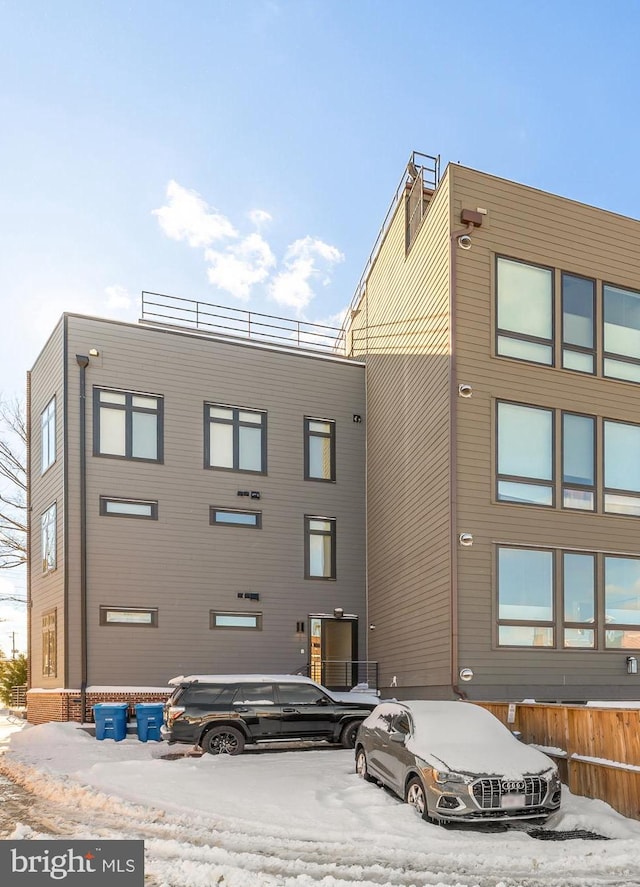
442,776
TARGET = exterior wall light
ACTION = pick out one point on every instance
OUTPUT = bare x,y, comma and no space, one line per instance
338,612
465,539
466,674
465,390
632,665
464,242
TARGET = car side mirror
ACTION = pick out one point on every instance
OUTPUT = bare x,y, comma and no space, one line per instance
323,701
397,736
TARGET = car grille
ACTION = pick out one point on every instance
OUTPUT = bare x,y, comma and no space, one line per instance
488,792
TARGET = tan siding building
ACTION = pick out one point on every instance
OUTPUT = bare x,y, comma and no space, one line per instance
453,496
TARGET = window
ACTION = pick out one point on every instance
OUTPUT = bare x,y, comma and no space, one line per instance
139,508
578,582
621,333
301,694
319,449
127,425
524,311
578,462
250,621
578,310
129,616
525,454
254,694
49,539
320,547
621,468
622,601
48,437
587,586
49,644
229,517
235,439
525,597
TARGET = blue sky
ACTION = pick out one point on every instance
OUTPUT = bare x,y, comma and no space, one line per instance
271,134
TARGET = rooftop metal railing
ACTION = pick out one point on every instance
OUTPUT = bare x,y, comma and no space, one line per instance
236,322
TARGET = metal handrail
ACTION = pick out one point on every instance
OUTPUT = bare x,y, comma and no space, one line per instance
226,320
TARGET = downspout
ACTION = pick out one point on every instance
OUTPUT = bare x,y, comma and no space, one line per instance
453,451
83,363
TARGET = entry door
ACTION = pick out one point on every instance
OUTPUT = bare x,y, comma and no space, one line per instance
333,651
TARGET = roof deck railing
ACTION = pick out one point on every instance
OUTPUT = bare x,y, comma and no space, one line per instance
158,308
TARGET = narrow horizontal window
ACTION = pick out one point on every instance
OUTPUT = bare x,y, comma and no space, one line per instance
129,616
140,508
246,621
231,518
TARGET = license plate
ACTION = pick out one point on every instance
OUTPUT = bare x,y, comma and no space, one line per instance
512,801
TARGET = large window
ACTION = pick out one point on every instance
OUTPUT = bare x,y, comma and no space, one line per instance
524,311
127,425
48,536
621,333
320,547
319,449
525,454
622,468
578,312
49,644
567,599
48,435
578,462
235,439
525,597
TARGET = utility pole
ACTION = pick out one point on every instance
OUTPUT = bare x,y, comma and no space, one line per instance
13,645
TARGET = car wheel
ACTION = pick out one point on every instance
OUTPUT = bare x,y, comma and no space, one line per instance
223,741
362,768
348,735
416,797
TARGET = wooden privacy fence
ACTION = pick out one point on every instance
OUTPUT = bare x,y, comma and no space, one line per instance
597,749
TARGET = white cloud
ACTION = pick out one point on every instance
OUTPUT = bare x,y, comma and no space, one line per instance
260,217
305,261
187,216
118,298
241,266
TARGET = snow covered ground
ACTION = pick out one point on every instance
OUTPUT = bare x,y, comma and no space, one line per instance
293,818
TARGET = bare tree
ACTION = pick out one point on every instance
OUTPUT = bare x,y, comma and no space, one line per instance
13,487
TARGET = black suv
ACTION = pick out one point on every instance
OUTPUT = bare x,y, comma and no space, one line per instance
221,713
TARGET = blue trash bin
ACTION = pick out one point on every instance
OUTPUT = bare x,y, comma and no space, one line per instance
149,718
111,720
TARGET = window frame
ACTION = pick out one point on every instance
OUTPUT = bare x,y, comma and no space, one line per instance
331,437
606,490
568,486
104,512
49,629
614,355
543,483
578,349
527,623
129,410
213,614
236,424
48,418
45,528
308,533
215,509
105,609
524,337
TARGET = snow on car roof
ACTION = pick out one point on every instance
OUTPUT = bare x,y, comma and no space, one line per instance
235,678
463,736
